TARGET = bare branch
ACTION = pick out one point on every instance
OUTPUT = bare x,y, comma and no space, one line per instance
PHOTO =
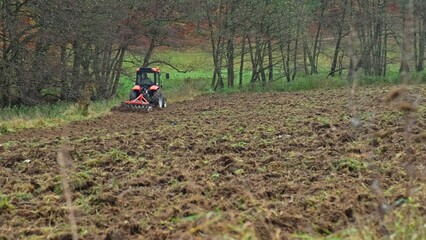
168,64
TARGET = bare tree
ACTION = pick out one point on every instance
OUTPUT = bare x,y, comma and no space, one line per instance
75,52
78,46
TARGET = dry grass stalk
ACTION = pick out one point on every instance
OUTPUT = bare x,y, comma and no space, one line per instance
63,159
382,133
395,93
407,107
353,42
423,136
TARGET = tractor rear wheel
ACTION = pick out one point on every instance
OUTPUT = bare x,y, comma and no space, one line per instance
159,99
162,103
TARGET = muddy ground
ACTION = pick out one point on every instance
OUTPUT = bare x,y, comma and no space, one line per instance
270,165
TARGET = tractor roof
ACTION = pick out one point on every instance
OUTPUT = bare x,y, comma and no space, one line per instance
147,70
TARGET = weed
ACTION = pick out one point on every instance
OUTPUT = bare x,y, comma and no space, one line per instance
407,222
397,223
94,162
81,180
23,187
239,145
192,217
5,203
324,120
23,196
215,175
84,204
177,143
350,164
8,145
117,155
245,231
57,189
227,138
241,130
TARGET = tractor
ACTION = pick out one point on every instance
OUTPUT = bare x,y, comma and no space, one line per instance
146,93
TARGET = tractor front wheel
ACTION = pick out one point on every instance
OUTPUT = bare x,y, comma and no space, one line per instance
133,95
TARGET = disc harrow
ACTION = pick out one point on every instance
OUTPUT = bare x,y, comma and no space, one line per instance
124,107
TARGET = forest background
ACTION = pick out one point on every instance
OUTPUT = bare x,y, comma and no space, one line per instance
82,51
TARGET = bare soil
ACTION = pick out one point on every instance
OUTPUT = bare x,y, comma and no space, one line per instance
267,165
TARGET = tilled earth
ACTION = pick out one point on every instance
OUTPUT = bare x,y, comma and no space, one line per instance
265,166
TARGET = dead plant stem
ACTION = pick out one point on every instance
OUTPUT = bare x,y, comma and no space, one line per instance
62,160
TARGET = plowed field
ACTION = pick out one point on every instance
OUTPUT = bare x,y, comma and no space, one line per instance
270,165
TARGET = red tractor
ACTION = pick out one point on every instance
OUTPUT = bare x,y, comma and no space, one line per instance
146,93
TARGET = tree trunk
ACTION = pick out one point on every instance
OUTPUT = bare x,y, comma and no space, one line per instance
295,53
110,83
117,70
217,48
315,52
243,49
296,48
270,61
338,41
260,57
218,68
379,38
254,62
422,36
286,60
385,52
404,67
311,57
63,74
150,49
230,57
76,81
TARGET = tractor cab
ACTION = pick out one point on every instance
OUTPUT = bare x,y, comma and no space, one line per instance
149,74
